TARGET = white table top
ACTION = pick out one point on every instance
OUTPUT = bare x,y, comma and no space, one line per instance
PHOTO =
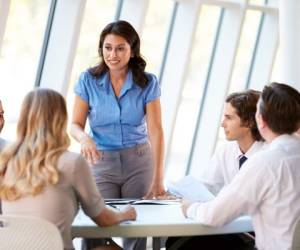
155,221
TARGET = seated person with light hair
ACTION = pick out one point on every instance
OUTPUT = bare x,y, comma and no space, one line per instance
40,177
267,187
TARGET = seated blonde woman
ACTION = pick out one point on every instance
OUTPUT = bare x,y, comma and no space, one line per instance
39,177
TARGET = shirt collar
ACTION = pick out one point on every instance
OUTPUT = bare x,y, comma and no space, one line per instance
105,83
252,150
128,84
239,153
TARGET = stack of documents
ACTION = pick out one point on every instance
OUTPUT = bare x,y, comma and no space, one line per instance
190,188
140,202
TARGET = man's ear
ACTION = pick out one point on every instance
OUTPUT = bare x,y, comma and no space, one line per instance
261,124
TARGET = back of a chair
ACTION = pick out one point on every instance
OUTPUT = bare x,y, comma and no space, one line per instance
296,237
28,233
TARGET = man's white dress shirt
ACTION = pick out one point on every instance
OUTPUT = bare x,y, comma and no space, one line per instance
224,164
268,188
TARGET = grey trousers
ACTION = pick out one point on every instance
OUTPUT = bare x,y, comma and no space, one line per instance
125,173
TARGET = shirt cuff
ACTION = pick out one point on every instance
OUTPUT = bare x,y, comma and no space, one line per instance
192,210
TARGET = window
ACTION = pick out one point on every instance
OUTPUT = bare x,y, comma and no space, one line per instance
153,38
275,75
245,51
193,90
19,56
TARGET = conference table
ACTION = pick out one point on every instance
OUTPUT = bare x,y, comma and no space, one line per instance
156,221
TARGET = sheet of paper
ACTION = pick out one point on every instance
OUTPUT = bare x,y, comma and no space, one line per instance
190,188
156,202
140,202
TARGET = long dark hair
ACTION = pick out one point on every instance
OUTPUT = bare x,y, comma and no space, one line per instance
136,63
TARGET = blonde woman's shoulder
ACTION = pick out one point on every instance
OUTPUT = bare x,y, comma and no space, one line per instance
70,160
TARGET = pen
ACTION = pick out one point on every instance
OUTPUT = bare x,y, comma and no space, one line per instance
113,206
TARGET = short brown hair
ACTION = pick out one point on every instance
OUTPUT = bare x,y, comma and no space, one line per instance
245,105
279,106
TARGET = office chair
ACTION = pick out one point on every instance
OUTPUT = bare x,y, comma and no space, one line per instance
28,233
296,237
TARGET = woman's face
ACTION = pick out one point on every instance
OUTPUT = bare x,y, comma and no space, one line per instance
116,52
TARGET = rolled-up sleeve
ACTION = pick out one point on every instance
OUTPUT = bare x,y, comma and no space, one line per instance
152,91
80,87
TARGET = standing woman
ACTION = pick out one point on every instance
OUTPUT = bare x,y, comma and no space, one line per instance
39,177
122,104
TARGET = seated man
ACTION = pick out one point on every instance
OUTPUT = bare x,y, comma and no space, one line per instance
241,130
267,187
244,141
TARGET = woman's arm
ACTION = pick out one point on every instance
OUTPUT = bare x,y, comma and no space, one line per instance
155,132
110,216
88,146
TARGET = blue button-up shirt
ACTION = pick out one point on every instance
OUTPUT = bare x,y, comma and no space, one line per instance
116,122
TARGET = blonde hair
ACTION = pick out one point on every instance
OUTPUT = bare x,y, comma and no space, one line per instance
30,163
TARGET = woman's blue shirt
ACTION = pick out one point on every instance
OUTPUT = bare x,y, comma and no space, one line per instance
116,122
